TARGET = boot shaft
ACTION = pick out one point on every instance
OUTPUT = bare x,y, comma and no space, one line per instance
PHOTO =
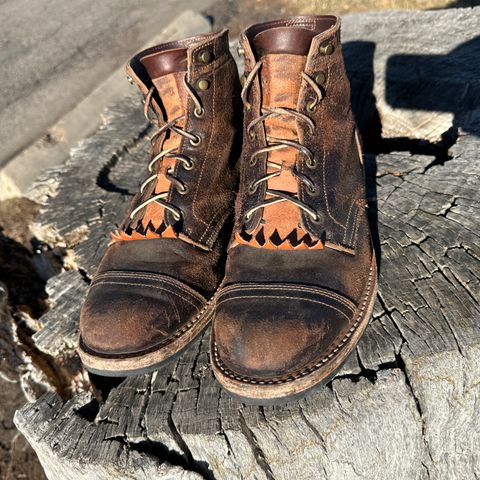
191,90
308,191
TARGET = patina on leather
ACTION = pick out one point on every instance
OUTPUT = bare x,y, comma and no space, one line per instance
174,67
300,276
156,278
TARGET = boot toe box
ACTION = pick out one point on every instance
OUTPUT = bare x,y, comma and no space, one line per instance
268,332
130,313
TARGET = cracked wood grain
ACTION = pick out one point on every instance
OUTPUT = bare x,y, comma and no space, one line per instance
404,404
17,458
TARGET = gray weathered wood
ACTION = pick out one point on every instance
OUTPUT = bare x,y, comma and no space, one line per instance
404,405
18,379
427,76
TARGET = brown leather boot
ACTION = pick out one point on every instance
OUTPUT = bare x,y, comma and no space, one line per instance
151,294
300,278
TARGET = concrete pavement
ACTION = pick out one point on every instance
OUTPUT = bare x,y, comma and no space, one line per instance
55,52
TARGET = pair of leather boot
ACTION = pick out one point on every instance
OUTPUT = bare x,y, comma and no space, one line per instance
272,246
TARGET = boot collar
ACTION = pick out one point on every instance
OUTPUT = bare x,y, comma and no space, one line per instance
203,53
321,33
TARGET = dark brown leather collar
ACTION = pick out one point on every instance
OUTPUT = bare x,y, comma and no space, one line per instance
218,42
165,62
317,24
257,37
295,41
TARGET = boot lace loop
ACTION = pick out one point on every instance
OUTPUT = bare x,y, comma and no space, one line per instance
187,163
279,143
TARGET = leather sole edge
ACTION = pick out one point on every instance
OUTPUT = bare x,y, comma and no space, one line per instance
140,364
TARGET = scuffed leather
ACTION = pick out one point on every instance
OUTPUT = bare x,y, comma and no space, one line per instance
204,214
282,313
132,312
145,291
271,330
339,171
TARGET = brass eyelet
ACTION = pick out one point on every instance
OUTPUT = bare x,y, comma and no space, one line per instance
196,142
253,161
318,219
312,107
311,163
326,48
203,84
183,190
251,135
313,192
205,56
252,189
189,166
240,51
320,78
199,113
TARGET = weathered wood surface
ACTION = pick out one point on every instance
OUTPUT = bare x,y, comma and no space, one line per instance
405,405
18,379
427,76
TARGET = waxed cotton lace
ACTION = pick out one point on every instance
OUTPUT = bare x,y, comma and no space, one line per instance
277,144
169,153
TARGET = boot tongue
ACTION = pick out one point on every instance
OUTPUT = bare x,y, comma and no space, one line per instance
283,52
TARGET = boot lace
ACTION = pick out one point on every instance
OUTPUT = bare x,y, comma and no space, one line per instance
277,144
169,153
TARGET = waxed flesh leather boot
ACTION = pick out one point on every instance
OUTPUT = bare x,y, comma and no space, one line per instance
300,277
151,294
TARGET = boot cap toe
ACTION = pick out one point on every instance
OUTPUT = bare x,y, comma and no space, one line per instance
126,313
277,330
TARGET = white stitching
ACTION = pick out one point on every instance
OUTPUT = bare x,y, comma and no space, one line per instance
156,277
354,226
252,286
348,219
304,288
102,282
325,189
198,298
282,296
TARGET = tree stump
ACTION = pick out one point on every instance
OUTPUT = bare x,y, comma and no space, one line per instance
405,405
